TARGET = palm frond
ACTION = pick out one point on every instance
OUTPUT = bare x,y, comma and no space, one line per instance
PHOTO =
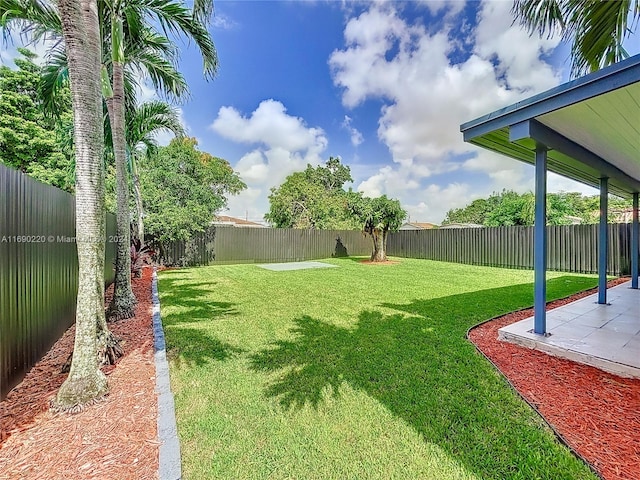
53,78
163,75
178,20
149,118
35,19
595,28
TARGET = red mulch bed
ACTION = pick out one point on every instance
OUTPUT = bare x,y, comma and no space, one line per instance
115,438
596,413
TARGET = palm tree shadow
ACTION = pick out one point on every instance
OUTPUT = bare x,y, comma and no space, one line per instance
192,302
186,322
194,346
423,370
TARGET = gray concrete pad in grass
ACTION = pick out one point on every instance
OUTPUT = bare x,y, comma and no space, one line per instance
281,267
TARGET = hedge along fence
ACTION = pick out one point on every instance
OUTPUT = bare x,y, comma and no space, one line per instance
226,245
571,248
38,271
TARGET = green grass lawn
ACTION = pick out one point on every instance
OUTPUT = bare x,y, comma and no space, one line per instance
356,372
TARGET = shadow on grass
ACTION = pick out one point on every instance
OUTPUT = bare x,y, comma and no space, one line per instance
358,259
191,302
186,303
424,371
194,346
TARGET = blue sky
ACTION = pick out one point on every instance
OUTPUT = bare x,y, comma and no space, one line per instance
383,85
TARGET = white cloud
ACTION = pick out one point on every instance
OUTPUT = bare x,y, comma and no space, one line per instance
223,22
271,126
435,200
427,96
247,205
282,145
452,7
356,135
9,48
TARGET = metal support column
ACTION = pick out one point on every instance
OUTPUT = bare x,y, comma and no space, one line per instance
540,243
634,243
603,237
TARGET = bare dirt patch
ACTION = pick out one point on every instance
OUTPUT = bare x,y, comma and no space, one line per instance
116,438
596,413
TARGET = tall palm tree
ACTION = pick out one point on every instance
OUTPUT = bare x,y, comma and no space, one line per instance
142,124
81,31
40,19
43,19
128,40
127,20
595,28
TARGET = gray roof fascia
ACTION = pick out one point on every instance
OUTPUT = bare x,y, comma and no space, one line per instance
541,134
608,79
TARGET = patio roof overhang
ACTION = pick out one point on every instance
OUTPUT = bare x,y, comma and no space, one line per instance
587,130
591,127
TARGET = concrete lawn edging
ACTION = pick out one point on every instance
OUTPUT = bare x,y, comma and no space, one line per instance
169,456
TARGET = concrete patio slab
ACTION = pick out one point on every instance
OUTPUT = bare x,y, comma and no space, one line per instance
280,267
603,336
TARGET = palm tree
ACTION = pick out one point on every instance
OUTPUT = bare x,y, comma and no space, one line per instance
81,31
41,19
127,20
142,124
596,29
128,41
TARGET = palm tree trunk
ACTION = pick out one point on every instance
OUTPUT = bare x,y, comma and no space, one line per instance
137,193
123,303
86,382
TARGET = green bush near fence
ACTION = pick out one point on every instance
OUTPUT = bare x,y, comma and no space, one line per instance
360,371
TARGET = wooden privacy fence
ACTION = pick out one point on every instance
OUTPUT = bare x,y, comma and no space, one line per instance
38,271
571,248
225,245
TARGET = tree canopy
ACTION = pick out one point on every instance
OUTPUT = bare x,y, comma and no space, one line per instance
510,208
378,216
183,188
29,141
314,198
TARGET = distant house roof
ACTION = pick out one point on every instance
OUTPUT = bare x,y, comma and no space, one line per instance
418,226
235,222
462,225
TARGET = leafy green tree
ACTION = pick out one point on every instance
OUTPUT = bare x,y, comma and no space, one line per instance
596,29
183,188
314,198
26,140
142,124
378,217
509,208
476,212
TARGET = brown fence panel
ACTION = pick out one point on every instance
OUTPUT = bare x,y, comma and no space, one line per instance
38,271
226,245
570,248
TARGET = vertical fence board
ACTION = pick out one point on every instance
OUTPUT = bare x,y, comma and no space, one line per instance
571,248
38,271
